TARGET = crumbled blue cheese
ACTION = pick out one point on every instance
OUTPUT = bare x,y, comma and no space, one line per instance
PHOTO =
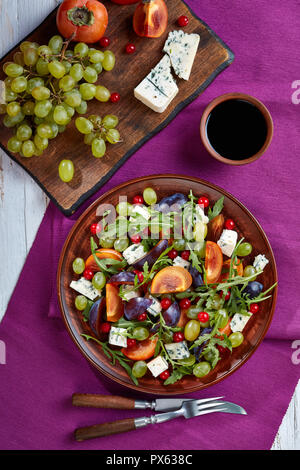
199,215
86,288
239,322
228,241
178,261
178,350
157,366
260,262
141,210
182,48
129,292
134,252
155,307
116,338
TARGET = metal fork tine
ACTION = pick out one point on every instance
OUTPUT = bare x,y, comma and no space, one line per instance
204,400
203,406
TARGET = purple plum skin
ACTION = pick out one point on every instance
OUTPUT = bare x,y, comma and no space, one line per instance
197,278
123,277
172,314
152,255
135,307
95,315
171,203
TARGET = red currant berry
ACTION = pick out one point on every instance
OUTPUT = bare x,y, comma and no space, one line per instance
185,255
165,303
203,201
105,327
173,254
165,375
227,296
203,317
183,21
131,343
178,337
135,238
221,349
229,224
115,97
254,308
105,41
88,274
142,316
130,48
185,303
139,274
138,199
93,229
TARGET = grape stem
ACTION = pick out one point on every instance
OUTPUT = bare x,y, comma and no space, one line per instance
66,44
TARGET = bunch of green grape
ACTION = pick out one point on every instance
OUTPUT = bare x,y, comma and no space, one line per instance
98,131
45,86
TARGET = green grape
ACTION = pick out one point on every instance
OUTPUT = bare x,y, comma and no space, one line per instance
78,265
30,56
81,302
33,83
35,45
96,56
61,129
193,312
76,72
249,271
73,98
139,369
8,81
150,196
67,83
123,208
10,121
200,248
10,95
201,369
98,148
98,67
38,120
24,132
216,302
99,280
113,136
140,333
179,244
69,109
223,315
40,143
84,125
102,94
13,108
88,91
192,330
95,120
14,145
107,242
121,244
60,115
55,129
42,67
88,138
81,49
49,118
55,44
90,75
188,361
19,84
69,53
244,249
200,231
13,70
82,108
236,339
66,170
42,108
56,69
2,108
67,65
44,51
110,121
40,93
19,58
28,108
24,45
38,152
28,148
109,60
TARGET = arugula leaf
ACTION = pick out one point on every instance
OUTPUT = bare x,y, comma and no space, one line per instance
174,377
217,209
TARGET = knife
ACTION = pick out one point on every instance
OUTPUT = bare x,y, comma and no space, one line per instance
117,402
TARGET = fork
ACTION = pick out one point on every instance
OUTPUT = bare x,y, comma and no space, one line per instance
189,409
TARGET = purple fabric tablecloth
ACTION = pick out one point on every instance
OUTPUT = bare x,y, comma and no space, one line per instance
43,366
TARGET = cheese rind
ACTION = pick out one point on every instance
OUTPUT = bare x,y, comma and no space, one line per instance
227,242
182,48
157,366
86,288
239,322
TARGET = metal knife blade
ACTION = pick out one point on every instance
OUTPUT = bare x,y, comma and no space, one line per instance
171,404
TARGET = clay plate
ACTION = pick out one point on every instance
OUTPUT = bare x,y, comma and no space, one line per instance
77,244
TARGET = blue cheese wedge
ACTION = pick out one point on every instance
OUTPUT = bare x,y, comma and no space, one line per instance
199,215
228,241
239,322
177,350
260,262
182,48
116,338
157,366
86,288
134,252
178,261
155,307
139,209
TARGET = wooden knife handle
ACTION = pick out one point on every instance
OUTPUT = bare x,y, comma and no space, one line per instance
105,429
102,401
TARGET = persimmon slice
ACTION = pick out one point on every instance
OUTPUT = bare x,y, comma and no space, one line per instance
114,304
142,351
102,253
213,262
171,279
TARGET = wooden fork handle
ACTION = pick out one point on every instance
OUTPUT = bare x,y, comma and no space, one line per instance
102,401
105,429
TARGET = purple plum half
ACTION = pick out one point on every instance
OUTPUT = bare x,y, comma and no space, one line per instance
198,350
122,278
152,255
96,314
172,314
135,307
172,203
197,278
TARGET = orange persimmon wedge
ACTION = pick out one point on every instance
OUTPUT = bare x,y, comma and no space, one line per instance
142,351
171,279
226,266
114,304
226,330
213,262
183,318
102,253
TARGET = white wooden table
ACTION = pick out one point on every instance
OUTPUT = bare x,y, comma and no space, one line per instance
23,204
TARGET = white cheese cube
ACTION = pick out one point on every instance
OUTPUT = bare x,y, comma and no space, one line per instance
228,241
239,322
260,262
182,48
178,350
134,252
141,210
86,288
116,338
129,292
155,307
157,366
200,216
178,261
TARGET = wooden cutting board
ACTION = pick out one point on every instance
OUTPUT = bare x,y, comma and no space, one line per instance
137,122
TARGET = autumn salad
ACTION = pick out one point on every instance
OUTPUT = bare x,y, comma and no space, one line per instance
166,290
